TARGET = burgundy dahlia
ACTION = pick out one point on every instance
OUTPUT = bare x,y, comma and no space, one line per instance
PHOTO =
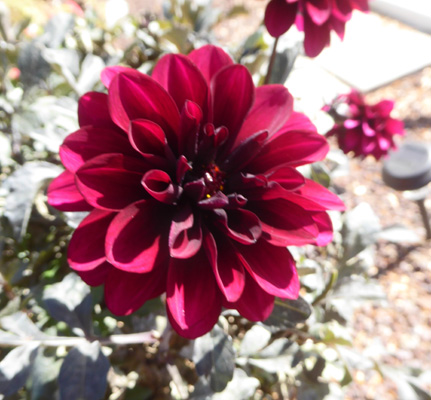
191,183
317,18
362,128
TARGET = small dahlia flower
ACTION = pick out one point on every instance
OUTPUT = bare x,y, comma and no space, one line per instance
316,18
190,180
362,128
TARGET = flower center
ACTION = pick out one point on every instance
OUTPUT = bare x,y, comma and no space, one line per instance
214,179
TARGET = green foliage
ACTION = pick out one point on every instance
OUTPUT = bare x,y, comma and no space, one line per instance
57,339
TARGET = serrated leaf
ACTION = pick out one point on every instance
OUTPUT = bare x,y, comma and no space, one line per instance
21,188
70,301
83,374
213,355
287,313
15,368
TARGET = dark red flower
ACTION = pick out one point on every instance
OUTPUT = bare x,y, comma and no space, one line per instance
361,128
191,182
317,18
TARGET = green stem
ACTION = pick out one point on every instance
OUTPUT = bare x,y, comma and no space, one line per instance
271,61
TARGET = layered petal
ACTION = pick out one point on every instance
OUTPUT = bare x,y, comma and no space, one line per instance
84,254
112,181
136,240
64,195
280,16
192,296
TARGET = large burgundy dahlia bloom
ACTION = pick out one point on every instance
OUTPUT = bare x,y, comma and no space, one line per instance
361,128
191,183
317,18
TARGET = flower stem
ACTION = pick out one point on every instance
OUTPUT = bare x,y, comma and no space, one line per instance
271,61
55,341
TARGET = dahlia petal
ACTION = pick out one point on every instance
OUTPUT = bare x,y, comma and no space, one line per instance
180,77
64,195
394,126
109,73
227,267
318,10
255,303
272,108
319,197
185,235
159,185
192,296
273,268
316,37
233,95
244,152
126,292
210,59
133,95
326,232
96,276
150,141
296,122
280,16
284,223
287,177
191,118
360,5
93,109
84,254
89,142
136,240
111,181
218,200
342,10
293,148
241,225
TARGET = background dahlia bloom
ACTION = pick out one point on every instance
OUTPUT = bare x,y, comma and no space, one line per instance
191,183
364,129
317,18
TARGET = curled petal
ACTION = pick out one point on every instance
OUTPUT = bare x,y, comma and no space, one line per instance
111,181
191,118
84,254
150,141
226,265
241,225
182,80
273,268
126,292
185,235
159,185
192,296
218,200
64,195
136,240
